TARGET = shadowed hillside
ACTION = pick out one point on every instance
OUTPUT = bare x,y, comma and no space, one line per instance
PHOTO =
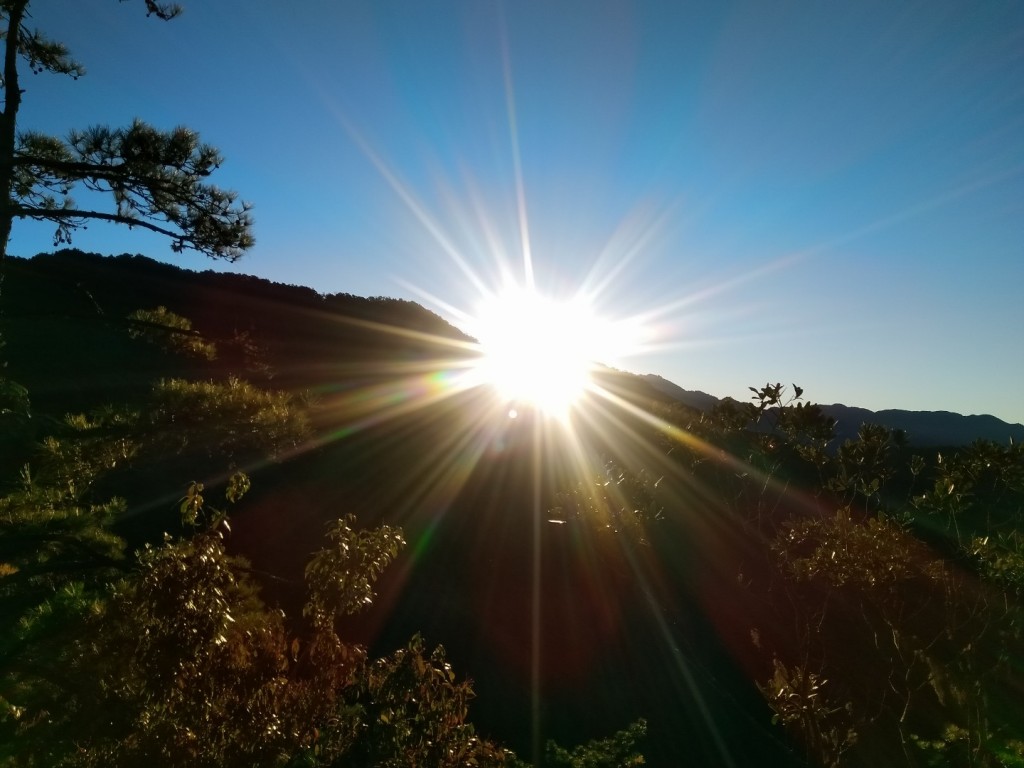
755,589
293,336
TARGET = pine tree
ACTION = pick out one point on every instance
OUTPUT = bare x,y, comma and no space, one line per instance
157,178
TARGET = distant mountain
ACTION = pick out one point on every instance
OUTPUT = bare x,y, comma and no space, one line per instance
924,428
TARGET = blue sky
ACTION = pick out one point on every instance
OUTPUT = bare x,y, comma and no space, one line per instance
821,193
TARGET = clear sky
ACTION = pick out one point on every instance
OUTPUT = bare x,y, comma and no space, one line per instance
830,194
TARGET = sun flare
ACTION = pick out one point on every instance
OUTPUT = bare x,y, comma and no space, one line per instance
537,351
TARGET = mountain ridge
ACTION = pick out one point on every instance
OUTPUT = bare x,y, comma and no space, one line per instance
231,305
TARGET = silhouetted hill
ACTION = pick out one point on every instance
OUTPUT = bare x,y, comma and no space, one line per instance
64,316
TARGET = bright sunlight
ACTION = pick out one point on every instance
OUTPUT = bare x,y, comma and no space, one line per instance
540,352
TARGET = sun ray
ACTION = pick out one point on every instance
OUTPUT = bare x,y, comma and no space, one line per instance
410,201
631,238
517,164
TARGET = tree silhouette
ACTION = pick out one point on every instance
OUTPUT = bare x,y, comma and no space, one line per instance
157,178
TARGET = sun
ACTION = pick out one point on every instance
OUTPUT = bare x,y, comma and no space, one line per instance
536,351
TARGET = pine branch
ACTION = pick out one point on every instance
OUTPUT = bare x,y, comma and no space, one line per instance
72,218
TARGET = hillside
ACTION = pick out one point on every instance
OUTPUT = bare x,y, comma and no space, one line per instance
289,334
758,596
469,489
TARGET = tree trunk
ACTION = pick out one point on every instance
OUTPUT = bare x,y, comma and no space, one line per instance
9,120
